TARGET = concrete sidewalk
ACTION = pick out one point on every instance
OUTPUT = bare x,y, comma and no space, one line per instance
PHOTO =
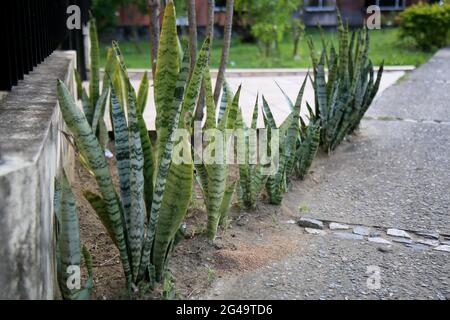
263,82
394,175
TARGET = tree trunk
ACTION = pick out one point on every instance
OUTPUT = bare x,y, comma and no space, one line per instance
209,33
225,49
297,30
210,25
192,18
153,11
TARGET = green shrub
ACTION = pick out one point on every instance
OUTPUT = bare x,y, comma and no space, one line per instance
427,24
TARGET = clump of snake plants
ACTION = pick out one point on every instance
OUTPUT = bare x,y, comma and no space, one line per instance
298,145
143,217
252,173
94,102
343,98
308,140
68,247
213,173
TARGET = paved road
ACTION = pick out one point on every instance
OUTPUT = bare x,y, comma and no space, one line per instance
394,174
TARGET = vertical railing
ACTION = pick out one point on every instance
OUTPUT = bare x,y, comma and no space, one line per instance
30,30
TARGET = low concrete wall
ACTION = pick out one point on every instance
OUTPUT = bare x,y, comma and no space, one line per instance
32,153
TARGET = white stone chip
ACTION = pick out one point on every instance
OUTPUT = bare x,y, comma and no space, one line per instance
379,240
398,233
442,248
315,231
338,226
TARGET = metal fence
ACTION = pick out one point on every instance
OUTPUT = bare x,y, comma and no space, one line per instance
30,30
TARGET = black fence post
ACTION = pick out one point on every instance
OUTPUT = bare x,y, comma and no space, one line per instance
30,30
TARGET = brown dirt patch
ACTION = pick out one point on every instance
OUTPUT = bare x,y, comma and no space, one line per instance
252,240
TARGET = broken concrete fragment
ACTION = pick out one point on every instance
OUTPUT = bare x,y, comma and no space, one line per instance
398,233
429,235
403,240
348,236
362,231
442,248
310,223
379,240
338,226
417,246
429,242
315,231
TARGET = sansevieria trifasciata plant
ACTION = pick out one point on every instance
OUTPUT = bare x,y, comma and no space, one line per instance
68,247
252,173
94,100
308,140
144,215
213,174
343,98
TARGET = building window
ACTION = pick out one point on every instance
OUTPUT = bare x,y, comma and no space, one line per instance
320,5
387,5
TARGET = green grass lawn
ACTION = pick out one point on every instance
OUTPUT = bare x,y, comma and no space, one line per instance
385,45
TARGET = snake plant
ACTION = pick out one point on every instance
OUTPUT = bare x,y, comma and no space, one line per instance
252,176
145,216
68,252
213,175
343,98
288,132
308,139
94,102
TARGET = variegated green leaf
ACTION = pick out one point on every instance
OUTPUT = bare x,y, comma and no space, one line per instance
93,152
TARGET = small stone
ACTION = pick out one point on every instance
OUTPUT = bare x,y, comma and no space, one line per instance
338,226
362,231
429,235
315,231
398,233
310,223
290,222
348,236
108,154
379,240
403,240
429,242
442,248
417,247
385,249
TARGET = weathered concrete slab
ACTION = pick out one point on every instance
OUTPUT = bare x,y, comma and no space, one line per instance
331,268
416,100
436,70
393,174
264,83
32,152
422,95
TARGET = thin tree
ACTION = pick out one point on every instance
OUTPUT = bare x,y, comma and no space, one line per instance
297,28
225,49
192,19
153,11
